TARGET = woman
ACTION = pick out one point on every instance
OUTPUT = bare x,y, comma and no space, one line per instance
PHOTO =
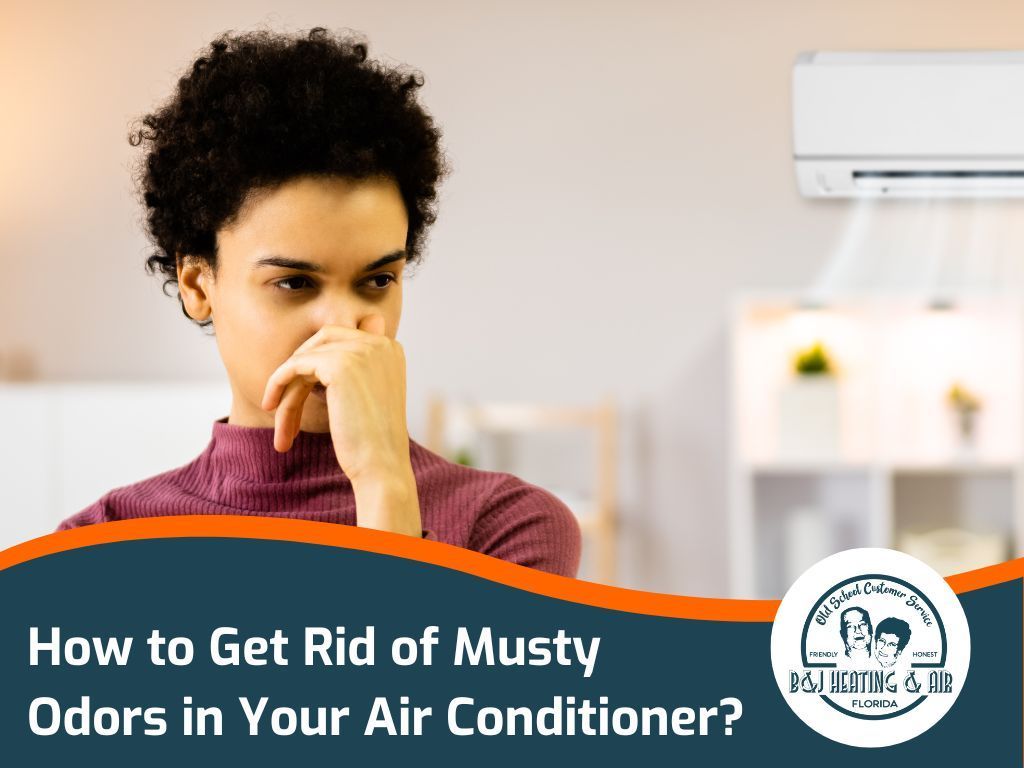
288,182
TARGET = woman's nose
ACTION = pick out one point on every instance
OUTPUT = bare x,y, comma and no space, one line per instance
346,313
334,310
345,320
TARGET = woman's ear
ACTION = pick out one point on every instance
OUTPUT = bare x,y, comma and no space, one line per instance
193,280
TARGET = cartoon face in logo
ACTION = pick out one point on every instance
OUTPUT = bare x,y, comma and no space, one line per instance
891,638
856,631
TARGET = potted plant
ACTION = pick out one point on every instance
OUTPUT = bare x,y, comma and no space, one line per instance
464,456
813,361
965,405
809,407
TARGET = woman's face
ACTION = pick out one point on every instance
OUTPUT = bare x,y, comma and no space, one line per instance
302,256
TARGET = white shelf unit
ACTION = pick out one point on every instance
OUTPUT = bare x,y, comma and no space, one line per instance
455,423
898,467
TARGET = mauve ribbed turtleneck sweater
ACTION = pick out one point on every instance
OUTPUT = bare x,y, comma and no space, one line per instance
241,473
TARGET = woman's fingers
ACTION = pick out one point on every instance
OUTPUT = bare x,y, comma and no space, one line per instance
321,359
289,387
373,324
288,419
316,365
295,366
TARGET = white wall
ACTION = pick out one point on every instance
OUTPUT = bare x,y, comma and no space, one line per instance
621,168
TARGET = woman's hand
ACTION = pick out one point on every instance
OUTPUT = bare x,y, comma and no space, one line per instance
363,373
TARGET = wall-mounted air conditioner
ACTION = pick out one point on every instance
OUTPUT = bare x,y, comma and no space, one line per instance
909,124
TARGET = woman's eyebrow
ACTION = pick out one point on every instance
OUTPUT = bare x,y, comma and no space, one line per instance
396,256
308,266
285,262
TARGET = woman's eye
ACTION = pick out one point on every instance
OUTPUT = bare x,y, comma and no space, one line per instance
282,283
296,283
373,281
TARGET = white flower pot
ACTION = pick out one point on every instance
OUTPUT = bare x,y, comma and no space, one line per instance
809,418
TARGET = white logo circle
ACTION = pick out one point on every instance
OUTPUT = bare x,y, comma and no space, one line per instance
870,647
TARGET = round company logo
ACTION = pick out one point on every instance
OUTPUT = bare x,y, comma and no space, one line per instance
870,647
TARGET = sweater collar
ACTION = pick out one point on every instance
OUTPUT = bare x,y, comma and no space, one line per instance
248,454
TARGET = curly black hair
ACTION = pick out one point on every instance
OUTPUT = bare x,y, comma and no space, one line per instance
260,108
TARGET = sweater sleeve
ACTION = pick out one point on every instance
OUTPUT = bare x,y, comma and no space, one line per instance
525,524
94,513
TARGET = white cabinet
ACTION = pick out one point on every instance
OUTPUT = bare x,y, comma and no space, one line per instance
66,444
29,464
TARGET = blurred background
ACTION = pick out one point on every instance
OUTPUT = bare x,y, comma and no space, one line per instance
613,299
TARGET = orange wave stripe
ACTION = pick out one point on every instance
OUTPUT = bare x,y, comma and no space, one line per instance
440,554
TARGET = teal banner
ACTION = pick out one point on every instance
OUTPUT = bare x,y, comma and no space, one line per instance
260,652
